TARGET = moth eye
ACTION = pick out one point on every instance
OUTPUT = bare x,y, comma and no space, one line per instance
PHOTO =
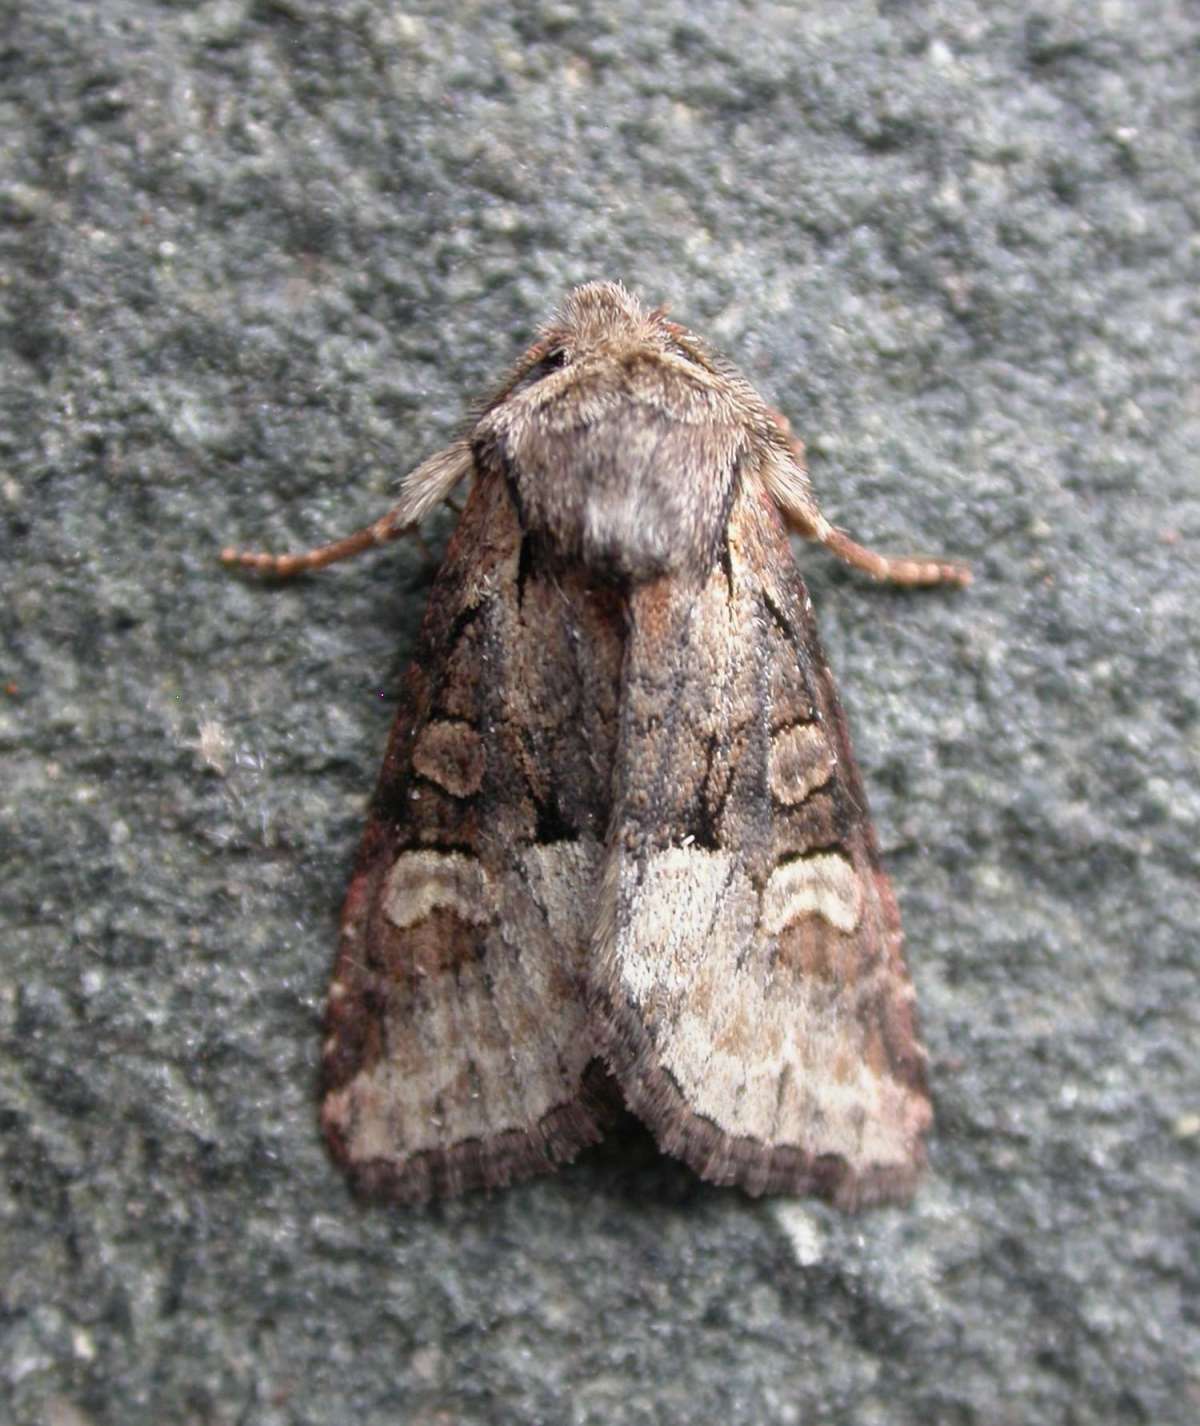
552,361
687,353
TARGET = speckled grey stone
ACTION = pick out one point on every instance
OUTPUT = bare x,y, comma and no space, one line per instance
255,258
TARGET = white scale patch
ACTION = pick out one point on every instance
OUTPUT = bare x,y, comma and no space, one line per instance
826,885
560,878
421,882
689,899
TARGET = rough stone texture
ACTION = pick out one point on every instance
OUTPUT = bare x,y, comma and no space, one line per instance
255,256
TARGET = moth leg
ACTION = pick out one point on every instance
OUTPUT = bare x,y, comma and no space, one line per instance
297,562
799,508
425,487
906,570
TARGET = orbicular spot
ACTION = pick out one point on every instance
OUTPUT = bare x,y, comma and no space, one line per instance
825,885
450,754
421,882
801,760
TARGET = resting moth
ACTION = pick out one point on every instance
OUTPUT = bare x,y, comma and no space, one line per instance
619,849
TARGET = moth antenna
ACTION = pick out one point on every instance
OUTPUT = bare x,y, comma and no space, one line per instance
423,488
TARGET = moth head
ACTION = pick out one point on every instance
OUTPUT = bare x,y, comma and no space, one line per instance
623,437
604,322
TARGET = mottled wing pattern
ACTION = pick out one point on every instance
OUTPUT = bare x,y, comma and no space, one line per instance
748,980
458,1039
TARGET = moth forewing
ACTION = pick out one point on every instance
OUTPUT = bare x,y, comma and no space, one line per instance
619,847
752,1000
458,1037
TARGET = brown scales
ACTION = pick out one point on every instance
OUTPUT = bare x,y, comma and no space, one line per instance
619,838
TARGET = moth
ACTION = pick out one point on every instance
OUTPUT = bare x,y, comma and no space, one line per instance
619,849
